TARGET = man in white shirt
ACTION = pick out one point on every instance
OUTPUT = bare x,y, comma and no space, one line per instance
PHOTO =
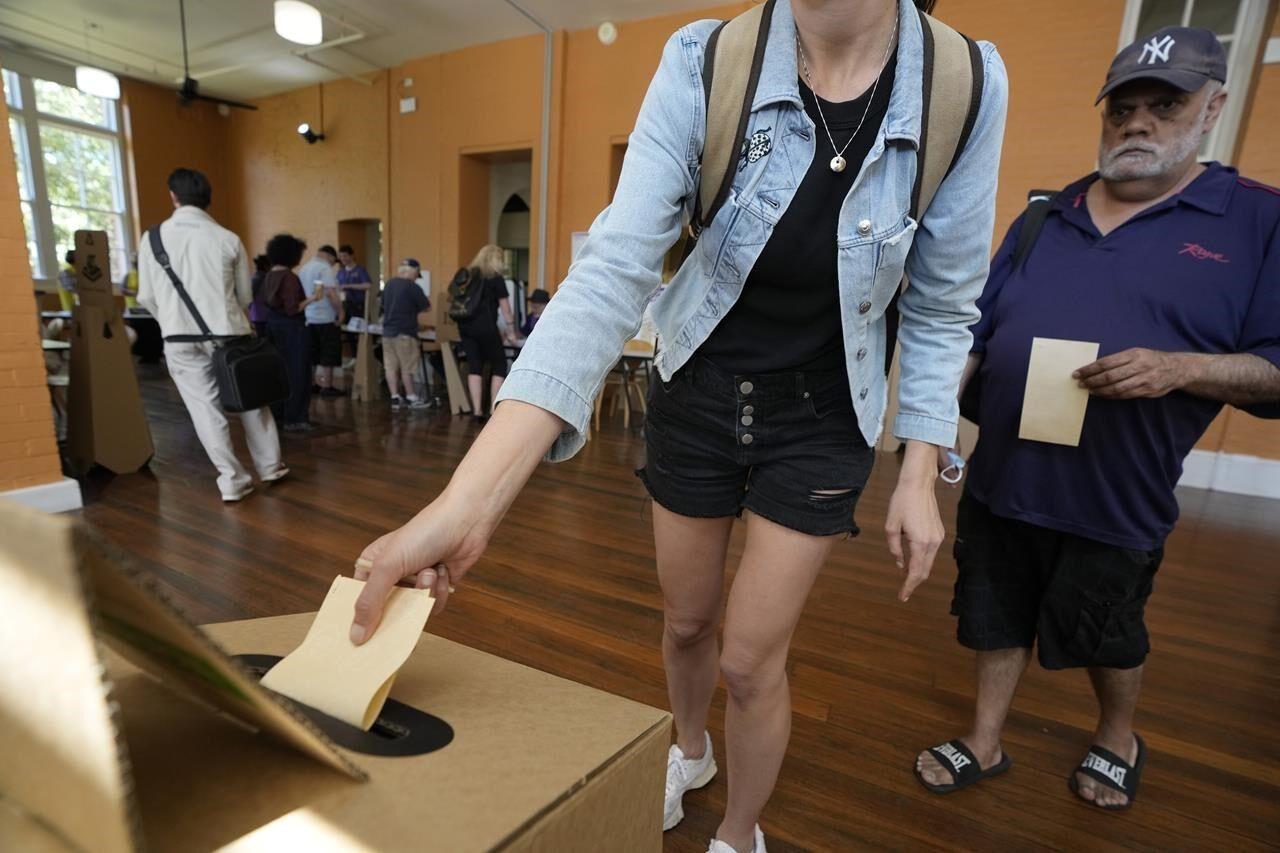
323,317
214,269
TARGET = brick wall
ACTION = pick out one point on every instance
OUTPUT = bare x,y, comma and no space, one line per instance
28,451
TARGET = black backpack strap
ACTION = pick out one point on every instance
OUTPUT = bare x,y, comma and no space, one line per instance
1039,203
162,258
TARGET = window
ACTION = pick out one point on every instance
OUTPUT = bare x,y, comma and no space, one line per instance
1238,25
70,168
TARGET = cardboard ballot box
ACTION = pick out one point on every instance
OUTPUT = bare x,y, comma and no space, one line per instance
124,728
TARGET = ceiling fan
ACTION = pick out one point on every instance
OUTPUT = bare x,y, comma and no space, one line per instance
190,89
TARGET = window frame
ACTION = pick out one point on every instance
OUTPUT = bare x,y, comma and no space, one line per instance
30,118
1244,54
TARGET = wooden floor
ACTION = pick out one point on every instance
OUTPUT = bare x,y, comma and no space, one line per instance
568,586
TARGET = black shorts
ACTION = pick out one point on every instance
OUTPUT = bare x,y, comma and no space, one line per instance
326,344
1080,602
485,349
785,446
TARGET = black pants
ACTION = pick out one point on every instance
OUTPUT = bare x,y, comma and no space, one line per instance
289,335
484,347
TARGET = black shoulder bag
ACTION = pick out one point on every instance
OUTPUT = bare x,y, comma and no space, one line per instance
1039,203
250,372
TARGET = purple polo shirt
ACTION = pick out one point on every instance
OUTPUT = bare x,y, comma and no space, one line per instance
1199,272
356,275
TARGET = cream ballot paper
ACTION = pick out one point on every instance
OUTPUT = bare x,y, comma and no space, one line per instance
1053,405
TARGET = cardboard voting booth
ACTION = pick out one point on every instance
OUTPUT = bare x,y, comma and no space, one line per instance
123,727
365,384
105,422
446,335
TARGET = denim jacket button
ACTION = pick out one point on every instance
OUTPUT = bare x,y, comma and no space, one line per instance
748,410
864,307
864,227
746,387
862,395
862,353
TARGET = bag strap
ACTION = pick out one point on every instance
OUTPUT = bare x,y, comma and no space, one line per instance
1039,203
730,73
162,258
951,96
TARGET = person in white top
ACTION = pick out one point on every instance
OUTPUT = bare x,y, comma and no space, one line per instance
214,268
323,317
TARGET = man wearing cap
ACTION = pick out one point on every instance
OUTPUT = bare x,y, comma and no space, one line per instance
1173,268
403,303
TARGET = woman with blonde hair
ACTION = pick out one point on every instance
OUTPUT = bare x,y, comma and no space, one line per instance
485,290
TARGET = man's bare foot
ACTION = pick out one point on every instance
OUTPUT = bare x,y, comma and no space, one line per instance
987,753
1093,791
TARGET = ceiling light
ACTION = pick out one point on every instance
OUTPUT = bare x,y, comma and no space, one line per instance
298,22
311,137
95,81
607,33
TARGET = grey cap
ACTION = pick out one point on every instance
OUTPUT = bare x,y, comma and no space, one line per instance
1184,57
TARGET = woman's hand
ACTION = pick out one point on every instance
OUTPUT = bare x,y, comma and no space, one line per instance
914,525
435,549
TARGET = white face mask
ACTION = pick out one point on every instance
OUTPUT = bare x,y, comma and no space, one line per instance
954,472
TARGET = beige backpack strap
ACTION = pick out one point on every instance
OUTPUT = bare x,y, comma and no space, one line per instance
952,95
730,73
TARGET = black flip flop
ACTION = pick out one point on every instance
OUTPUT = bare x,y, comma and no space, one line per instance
962,764
1112,771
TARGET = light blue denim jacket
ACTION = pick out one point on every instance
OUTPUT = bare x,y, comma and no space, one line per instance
599,305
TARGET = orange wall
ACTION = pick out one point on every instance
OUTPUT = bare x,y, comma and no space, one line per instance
408,169
163,135
28,450
279,183
476,101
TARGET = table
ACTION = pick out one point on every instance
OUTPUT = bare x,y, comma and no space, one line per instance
55,345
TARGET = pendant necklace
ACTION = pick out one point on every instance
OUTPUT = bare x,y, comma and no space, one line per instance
838,162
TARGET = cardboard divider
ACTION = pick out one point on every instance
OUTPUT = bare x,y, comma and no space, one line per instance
366,383
106,424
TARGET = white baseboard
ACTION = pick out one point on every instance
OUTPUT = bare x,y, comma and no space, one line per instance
1232,472
59,496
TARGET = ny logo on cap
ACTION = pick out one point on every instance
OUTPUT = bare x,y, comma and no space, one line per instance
1157,49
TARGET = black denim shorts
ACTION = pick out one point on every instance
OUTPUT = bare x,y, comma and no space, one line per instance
1080,602
785,446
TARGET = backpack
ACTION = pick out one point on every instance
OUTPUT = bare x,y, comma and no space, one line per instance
465,291
1039,202
952,94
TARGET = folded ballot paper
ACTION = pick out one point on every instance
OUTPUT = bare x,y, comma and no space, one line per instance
331,674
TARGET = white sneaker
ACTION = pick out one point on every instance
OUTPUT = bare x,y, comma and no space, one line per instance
238,496
278,474
718,846
685,774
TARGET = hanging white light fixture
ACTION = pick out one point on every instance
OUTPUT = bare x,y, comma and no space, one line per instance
95,81
298,22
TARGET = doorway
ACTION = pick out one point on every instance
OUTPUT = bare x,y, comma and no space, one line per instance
495,194
364,236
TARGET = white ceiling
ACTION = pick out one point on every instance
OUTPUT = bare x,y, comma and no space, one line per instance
234,51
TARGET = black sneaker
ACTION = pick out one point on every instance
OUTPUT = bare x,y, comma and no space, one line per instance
332,392
315,388
396,403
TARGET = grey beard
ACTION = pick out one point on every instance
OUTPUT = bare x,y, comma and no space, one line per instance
1163,162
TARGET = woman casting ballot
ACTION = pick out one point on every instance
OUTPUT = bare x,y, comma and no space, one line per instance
772,359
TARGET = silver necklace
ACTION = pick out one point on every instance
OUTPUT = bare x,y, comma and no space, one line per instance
838,162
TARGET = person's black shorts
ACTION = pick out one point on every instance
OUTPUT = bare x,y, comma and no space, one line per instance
1080,602
484,349
326,344
786,446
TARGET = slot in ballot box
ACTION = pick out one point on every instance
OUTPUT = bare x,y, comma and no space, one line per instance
126,728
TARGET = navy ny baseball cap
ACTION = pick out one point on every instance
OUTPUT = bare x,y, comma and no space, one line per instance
1184,57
